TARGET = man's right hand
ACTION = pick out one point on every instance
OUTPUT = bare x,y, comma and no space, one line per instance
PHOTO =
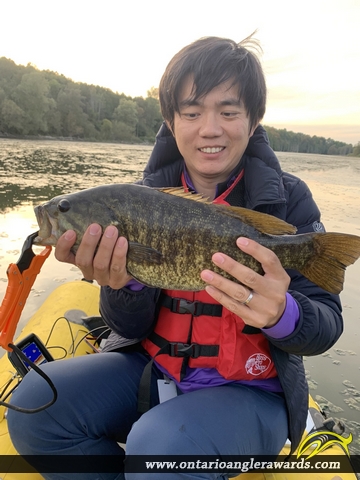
99,257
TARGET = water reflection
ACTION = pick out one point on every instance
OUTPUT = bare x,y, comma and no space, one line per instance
32,171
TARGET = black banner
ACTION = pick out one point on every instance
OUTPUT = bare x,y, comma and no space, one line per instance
177,463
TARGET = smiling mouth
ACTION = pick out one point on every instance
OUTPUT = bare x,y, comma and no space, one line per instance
212,149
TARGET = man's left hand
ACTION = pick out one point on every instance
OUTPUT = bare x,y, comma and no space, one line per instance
264,294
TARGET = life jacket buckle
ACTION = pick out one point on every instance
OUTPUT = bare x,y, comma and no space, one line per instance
184,350
180,305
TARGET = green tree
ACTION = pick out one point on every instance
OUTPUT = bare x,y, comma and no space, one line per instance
2,99
356,150
126,112
12,118
123,132
106,129
32,95
150,117
70,106
10,74
333,150
53,119
54,88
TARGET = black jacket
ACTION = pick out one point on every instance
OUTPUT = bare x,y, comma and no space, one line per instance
267,189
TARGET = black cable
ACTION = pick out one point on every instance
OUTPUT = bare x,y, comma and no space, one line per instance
61,348
8,383
10,392
90,332
24,358
52,330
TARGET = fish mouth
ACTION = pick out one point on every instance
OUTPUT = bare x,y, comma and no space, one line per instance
47,228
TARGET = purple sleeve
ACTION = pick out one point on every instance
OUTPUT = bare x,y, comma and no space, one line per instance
287,322
134,286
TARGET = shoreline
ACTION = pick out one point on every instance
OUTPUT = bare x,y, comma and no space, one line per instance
89,140
67,139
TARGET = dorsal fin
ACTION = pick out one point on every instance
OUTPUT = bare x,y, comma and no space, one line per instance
180,192
263,222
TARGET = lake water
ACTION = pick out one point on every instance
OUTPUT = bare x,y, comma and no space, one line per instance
34,171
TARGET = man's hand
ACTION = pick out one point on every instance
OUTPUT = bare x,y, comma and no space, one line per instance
99,257
267,303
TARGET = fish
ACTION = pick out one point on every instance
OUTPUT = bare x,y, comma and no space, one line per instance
173,234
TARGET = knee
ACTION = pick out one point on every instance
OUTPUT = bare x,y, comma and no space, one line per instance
163,430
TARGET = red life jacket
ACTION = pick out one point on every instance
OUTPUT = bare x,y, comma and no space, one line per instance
194,330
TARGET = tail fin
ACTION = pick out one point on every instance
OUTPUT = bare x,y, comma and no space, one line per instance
334,252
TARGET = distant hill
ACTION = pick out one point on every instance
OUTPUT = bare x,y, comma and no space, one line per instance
44,103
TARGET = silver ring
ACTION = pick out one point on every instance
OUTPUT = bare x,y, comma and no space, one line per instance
248,300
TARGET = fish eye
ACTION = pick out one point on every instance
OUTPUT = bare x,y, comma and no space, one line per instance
64,205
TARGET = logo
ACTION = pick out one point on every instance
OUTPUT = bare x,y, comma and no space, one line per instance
318,226
320,440
257,364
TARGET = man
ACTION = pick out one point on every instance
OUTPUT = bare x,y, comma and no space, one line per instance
236,365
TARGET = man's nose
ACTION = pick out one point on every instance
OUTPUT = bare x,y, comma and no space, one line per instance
210,125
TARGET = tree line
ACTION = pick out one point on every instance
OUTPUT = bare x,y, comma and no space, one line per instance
44,103
282,140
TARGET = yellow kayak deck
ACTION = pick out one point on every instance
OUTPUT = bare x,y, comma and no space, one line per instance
52,328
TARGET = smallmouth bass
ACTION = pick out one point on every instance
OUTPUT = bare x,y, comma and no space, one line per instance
172,235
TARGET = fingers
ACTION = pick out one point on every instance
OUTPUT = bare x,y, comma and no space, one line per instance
110,260
222,287
230,294
86,251
100,257
258,299
268,259
63,247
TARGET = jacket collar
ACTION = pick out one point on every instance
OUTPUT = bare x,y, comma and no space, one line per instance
263,174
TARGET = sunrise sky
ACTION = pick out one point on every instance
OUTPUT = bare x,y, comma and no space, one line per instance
311,49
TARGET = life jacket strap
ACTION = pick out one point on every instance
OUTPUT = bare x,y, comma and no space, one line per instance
178,349
250,330
182,306
174,349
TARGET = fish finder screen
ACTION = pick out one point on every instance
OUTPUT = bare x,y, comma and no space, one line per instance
33,352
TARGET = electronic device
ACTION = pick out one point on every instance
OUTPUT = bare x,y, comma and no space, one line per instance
33,348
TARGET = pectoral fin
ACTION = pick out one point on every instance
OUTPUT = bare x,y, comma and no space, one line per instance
139,253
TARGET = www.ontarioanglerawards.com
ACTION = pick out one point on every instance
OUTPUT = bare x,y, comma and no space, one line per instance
320,463
234,465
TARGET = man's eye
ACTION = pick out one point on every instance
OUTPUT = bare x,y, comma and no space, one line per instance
190,115
230,114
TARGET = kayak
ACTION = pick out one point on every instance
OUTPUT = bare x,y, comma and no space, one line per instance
58,324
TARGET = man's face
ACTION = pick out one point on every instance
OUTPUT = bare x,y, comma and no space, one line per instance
211,133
